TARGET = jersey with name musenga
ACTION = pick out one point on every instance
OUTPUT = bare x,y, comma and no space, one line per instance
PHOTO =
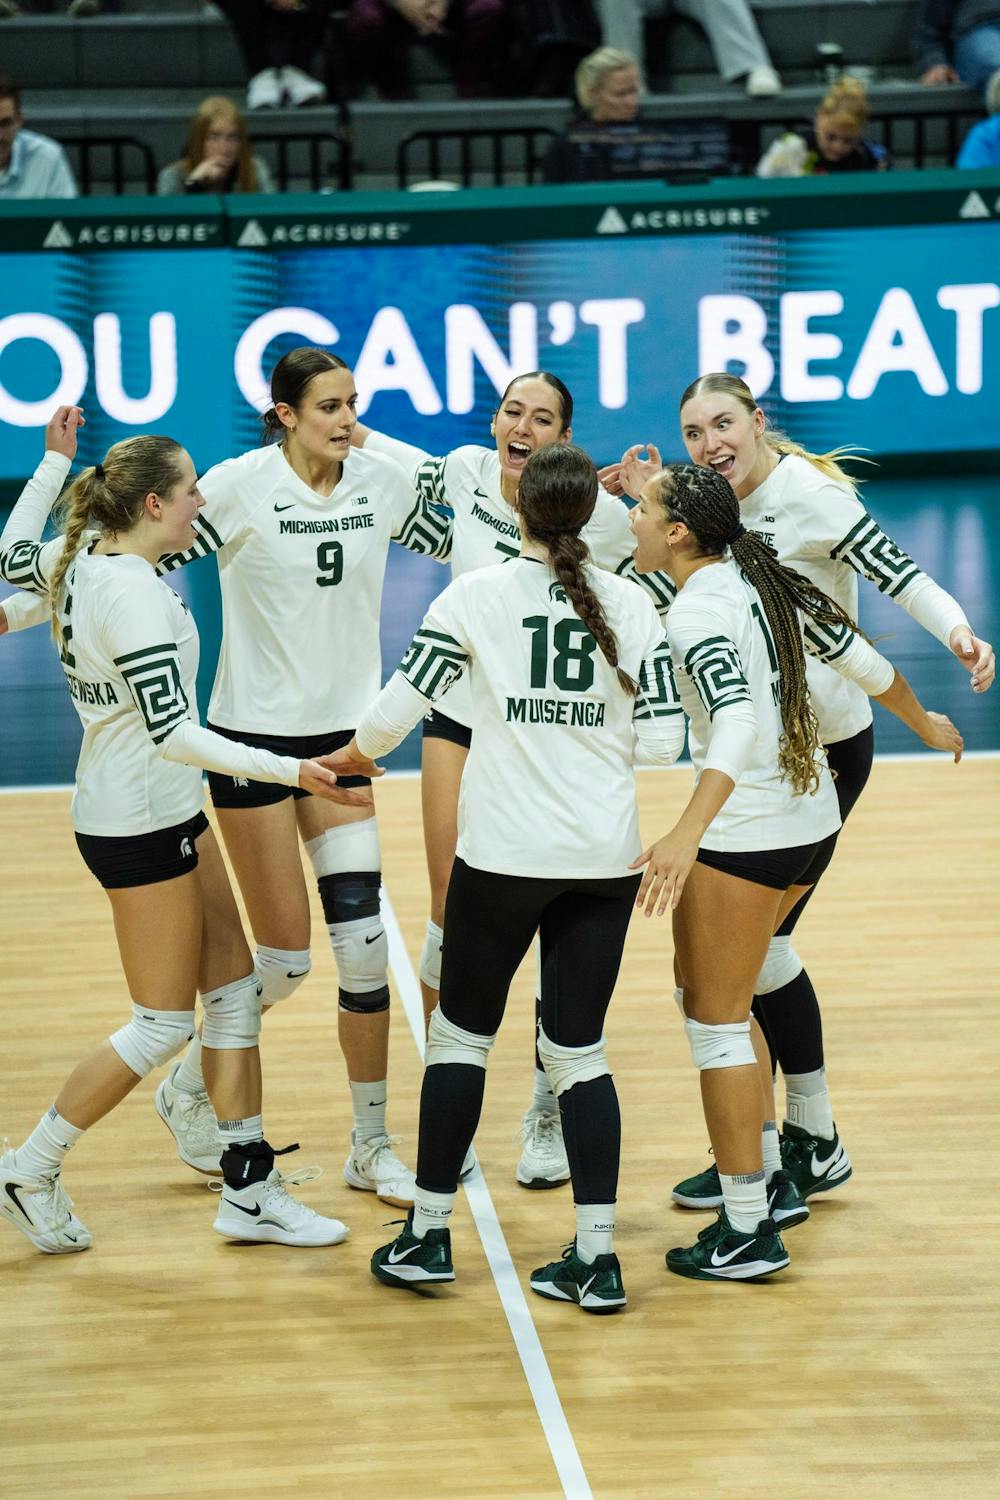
130,654
301,576
726,666
819,527
549,788
486,530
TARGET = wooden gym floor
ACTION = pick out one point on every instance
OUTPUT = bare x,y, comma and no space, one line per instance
166,1362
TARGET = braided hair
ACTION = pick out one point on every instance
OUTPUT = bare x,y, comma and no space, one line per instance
110,497
293,373
705,502
555,500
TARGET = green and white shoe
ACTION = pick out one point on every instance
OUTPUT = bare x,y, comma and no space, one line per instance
722,1253
703,1190
814,1165
785,1204
410,1262
596,1286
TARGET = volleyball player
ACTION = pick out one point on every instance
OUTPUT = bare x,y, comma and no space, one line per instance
129,649
565,663
760,827
479,485
301,529
806,506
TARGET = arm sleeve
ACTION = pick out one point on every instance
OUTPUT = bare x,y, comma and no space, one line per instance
420,523
24,560
849,654
438,654
406,455
217,523
25,610
715,668
658,718
869,551
138,635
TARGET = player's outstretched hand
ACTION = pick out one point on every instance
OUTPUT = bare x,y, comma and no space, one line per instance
668,864
60,434
635,472
315,777
975,654
349,761
941,734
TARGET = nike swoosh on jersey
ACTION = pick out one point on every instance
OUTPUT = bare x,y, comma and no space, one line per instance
253,1212
482,494
394,1259
721,1260
279,508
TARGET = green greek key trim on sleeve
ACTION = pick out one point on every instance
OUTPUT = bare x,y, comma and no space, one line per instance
716,670
657,697
432,662
868,550
152,676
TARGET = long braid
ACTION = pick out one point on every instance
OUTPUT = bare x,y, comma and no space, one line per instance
705,502
556,499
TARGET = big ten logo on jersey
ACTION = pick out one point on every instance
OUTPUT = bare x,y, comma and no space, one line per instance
565,663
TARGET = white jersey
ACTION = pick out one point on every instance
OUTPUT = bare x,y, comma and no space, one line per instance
486,530
301,577
130,655
820,527
548,789
726,669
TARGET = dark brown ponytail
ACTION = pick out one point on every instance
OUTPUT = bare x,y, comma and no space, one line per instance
291,376
555,500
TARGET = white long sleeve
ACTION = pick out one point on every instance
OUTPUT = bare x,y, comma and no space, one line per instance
407,455
659,742
932,607
24,562
731,739
398,708
190,744
850,655
23,610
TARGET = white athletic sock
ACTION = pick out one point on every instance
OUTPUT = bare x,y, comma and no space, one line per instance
745,1197
241,1132
368,1101
543,1099
807,1103
189,1078
431,1210
595,1230
47,1145
771,1147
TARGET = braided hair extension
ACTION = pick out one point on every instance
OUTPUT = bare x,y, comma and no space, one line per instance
289,379
706,504
555,500
721,383
111,497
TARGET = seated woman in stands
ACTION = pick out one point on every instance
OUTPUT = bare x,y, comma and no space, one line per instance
217,156
834,143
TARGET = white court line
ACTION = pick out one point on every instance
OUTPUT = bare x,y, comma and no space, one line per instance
512,1299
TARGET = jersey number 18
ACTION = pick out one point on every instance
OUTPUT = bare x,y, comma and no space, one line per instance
573,656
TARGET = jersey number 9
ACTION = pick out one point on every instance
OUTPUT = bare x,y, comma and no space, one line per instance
330,562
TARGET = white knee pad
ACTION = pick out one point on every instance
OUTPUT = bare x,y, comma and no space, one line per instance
280,971
779,968
232,1015
448,1043
352,846
727,1046
430,956
152,1037
362,953
566,1066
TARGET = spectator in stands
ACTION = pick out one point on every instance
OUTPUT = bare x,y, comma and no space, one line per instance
981,147
31,165
958,41
835,143
737,45
280,40
217,156
470,35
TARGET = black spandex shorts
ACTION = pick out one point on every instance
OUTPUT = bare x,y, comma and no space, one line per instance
437,726
143,858
776,868
239,791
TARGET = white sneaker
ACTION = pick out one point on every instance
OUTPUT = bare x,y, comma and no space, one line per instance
191,1121
265,90
40,1208
302,88
762,83
374,1167
267,1212
543,1161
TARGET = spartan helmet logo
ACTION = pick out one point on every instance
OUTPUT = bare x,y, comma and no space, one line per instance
558,593
186,850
